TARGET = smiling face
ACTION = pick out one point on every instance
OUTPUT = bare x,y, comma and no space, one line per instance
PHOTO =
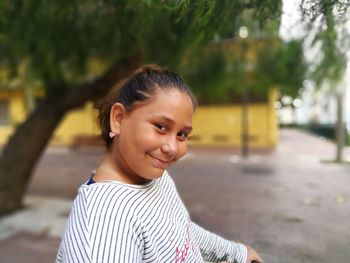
152,136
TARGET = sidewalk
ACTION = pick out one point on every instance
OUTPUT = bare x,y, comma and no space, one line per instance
288,204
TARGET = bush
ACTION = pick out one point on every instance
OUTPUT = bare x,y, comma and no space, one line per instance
324,130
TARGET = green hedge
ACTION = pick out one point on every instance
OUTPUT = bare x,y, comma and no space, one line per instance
326,131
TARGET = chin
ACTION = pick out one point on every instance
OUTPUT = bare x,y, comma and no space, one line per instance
157,174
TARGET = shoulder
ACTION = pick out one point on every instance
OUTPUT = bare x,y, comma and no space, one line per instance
105,196
111,207
166,179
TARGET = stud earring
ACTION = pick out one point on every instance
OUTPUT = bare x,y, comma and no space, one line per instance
111,135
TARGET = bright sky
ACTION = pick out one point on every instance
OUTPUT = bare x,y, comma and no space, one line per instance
290,23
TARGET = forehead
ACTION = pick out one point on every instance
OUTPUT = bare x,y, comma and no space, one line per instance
171,102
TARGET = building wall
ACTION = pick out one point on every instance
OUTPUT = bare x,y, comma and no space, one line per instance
13,112
77,127
221,125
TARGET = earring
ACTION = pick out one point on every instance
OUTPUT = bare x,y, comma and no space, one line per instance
111,135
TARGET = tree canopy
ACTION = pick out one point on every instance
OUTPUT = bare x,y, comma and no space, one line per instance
220,72
57,39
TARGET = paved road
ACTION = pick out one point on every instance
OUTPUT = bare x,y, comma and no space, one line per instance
289,204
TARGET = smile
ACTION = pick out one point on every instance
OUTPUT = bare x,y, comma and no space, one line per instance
159,163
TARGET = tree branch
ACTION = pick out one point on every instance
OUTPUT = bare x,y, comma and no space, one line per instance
95,90
347,3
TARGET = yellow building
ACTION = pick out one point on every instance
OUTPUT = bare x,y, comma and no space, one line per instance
12,112
213,125
222,125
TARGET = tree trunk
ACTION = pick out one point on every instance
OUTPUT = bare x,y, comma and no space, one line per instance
340,128
22,152
25,146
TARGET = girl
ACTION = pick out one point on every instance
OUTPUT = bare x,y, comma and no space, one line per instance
129,211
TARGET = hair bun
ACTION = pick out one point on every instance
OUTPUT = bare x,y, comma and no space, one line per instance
150,67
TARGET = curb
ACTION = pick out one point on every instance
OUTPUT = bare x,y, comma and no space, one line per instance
41,216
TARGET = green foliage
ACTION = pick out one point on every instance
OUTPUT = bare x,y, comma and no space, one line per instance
314,9
283,67
329,18
57,39
219,73
207,74
333,63
276,64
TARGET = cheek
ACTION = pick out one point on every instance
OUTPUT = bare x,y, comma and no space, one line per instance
182,150
145,139
148,137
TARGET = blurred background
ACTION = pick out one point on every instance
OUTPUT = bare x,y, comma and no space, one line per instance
269,155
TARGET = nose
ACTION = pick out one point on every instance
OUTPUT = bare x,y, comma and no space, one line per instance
169,146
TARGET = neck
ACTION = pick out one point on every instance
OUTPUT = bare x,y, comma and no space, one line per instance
111,170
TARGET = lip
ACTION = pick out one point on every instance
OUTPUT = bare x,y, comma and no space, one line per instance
159,163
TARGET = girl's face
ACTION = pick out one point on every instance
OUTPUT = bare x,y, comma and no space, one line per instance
153,135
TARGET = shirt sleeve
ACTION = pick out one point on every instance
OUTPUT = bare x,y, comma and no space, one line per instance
215,248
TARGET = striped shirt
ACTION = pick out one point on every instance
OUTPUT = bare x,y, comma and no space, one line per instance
116,222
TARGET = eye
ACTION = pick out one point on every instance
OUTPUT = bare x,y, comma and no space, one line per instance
161,127
182,136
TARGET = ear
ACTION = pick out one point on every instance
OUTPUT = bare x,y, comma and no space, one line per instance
116,115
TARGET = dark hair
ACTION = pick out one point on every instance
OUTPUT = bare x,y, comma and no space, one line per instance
139,87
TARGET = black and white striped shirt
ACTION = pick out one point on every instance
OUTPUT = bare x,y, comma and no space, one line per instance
121,223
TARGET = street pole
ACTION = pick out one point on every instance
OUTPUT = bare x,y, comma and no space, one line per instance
243,34
245,121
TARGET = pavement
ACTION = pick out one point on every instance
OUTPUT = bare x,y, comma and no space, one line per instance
292,204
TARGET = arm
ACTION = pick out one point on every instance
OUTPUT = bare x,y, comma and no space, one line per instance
215,248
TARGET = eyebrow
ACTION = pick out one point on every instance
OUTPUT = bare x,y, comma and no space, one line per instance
167,119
